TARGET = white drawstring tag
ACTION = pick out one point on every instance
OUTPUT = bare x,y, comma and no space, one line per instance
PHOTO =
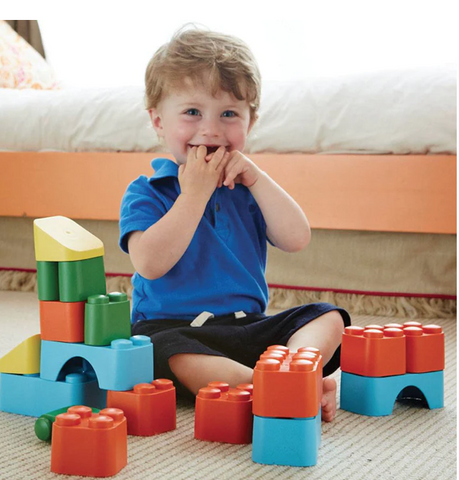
201,319
240,314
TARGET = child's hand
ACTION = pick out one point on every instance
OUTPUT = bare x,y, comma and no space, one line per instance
199,178
238,169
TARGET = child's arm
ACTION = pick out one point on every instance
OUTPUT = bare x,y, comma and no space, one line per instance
287,225
156,250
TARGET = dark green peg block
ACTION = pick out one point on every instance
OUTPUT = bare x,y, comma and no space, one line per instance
107,318
80,279
48,282
44,424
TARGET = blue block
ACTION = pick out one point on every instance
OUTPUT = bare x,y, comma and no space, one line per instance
375,396
286,441
31,395
118,366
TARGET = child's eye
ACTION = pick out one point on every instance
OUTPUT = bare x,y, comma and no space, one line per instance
192,111
229,113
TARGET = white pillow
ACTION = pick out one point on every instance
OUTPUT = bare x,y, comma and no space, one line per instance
21,66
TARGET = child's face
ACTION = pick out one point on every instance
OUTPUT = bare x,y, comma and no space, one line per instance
192,116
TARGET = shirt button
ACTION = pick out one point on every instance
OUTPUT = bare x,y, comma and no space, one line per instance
217,207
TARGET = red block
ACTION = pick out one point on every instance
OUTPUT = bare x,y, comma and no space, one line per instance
89,444
62,321
425,348
150,408
224,414
288,385
373,352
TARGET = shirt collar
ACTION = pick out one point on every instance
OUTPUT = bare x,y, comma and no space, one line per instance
163,168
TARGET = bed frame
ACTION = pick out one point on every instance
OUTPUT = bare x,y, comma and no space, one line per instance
388,193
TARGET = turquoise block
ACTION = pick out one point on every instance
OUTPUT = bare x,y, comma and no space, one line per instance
118,366
31,395
286,441
375,396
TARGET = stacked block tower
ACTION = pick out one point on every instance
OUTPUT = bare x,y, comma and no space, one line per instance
381,364
287,391
83,351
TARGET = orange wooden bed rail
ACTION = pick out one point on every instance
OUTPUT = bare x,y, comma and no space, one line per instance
398,193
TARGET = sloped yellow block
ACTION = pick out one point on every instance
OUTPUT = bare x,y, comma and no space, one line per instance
59,239
23,359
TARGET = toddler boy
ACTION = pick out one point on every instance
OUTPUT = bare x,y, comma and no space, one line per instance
197,230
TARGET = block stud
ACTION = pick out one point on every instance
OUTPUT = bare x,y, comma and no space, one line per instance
68,419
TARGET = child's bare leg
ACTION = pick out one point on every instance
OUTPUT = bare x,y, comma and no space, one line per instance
324,333
195,371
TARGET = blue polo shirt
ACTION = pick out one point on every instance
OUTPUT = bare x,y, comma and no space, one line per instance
223,269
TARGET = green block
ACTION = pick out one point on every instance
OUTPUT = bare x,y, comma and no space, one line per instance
107,318
44,424
80,279
47,279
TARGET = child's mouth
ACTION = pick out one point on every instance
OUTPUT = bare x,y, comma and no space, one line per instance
210,148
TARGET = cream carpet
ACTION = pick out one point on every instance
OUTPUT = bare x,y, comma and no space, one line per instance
413,443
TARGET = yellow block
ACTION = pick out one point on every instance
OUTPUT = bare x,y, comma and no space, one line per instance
23,359
59,239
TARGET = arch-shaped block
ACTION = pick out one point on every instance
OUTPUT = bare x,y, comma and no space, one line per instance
118,366
375,396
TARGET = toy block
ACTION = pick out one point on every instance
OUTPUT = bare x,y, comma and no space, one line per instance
425,348
224,414
92,445
373,352
80,279
118,366
107,318
62,321
59,239
71,281
286,441
48,281
44,424
288,388
375,396
150,408
33,396
24,358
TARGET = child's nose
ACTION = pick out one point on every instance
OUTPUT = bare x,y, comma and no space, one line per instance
210,128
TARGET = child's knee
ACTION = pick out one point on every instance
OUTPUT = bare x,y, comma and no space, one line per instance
335,324
180,361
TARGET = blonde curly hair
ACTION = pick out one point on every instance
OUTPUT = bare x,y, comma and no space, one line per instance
216,60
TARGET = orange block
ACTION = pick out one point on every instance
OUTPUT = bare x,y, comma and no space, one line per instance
224,414
88,444
62,321
288,385
425,348
373,352
150,408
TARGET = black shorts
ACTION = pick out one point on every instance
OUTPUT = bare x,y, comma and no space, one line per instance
241,339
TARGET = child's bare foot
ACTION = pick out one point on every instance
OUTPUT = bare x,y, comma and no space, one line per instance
328,399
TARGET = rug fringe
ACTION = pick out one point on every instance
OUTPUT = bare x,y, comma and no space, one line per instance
356,304
400,307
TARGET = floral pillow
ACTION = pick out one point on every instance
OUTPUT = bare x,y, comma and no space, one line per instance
21,66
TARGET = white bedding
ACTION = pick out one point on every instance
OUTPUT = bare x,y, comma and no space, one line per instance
400,112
